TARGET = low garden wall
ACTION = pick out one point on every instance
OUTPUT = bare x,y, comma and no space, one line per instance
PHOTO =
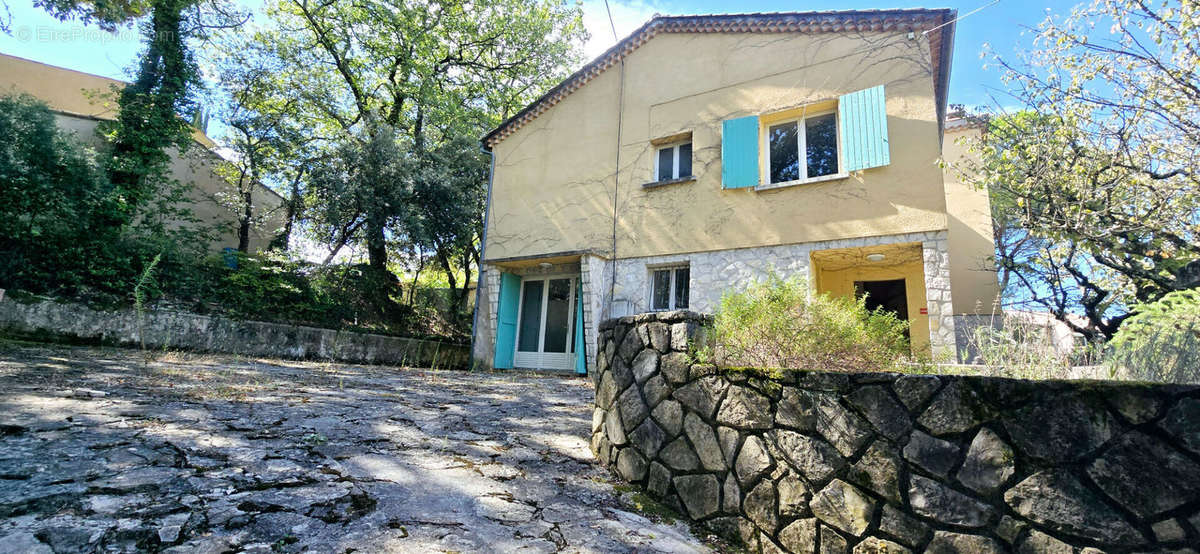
46,319
833,462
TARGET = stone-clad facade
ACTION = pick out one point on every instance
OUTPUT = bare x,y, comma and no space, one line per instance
834,462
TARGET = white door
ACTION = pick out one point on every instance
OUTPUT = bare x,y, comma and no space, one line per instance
546,323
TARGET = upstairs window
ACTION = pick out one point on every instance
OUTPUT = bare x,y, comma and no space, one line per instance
806,148
673,162
828,141
669,288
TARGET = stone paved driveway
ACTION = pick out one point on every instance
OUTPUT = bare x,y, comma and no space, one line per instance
101,450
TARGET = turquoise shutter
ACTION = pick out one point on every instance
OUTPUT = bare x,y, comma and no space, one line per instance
864,133
506,319
739,152
580,358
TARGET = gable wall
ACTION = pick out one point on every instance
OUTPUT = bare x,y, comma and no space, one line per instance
553,188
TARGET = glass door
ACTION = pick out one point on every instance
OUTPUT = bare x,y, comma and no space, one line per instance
545,325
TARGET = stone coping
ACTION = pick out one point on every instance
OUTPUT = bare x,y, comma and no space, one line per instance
52,320
672,316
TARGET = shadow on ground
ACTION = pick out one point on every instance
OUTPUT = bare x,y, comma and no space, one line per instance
104,451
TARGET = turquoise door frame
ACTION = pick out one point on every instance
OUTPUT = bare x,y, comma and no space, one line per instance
506,320
508,311
580,356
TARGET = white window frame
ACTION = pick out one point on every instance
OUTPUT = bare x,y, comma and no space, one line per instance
802,144
540,359
675,146
674,269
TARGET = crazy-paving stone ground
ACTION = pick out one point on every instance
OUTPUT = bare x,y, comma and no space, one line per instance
102,450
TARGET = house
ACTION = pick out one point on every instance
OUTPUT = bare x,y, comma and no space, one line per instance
78,102
703,152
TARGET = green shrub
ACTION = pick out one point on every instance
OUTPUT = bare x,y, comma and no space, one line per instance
51,193
783,324
1161,342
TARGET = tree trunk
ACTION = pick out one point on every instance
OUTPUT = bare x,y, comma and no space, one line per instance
412,291
284,238
376,244
244,221
466,288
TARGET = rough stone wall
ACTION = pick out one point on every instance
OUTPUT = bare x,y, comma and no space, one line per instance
596,275
835,462
936,253
60,321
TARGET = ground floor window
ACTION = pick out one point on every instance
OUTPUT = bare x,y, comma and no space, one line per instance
669,288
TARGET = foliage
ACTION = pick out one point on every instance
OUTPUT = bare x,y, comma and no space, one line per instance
273,287
56,210
429,78
1098,176
1162,341
50,191
783,324
364,187
449,195
148,124
268,146
108,14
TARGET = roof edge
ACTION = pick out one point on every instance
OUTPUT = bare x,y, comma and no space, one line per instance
942,19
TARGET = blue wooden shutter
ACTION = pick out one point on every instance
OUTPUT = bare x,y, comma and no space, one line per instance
739,152
506,319
580,357
863,116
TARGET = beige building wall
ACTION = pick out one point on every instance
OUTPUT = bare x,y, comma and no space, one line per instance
81,101
553,189
973,277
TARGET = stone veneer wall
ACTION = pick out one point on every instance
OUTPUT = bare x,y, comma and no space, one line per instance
713,273
834,462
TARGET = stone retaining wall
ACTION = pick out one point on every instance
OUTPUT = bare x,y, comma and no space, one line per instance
45,319
834,462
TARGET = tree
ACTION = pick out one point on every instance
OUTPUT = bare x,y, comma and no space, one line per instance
1098,178
107,14
149,123
361,187
262,135
428,72
450,193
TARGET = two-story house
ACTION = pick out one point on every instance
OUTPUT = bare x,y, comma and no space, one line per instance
703,152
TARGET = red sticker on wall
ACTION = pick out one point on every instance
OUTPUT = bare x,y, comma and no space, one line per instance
924,311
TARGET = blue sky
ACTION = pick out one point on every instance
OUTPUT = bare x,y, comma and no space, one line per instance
1003,25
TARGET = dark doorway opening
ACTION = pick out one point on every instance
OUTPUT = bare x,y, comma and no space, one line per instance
889,295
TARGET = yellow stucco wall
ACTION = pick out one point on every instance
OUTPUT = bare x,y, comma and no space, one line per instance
839,281
80,102
973,283
553,185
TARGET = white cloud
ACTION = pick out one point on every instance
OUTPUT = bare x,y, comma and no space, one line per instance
627,16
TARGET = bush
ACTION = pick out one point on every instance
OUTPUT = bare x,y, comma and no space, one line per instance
1021,348
51,191
58,217
782,324
1161,342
